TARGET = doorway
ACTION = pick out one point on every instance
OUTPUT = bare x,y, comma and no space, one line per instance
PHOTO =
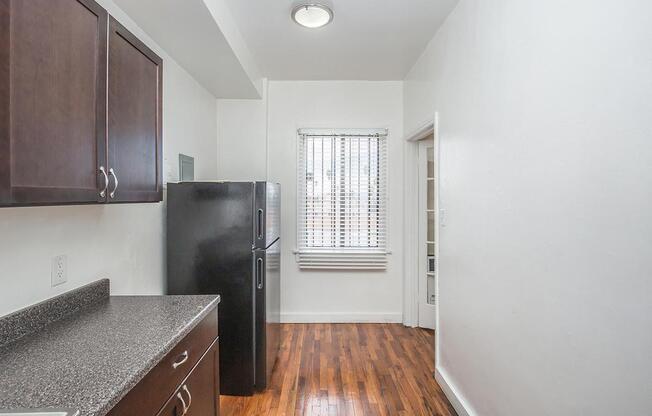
427,270
421,225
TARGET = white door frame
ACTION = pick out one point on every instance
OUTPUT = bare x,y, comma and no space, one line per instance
427,313
411,222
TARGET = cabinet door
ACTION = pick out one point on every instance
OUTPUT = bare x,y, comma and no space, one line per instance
134,121
198,395
52,101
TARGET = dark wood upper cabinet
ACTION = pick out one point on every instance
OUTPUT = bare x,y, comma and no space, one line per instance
66,117
134,121
52,101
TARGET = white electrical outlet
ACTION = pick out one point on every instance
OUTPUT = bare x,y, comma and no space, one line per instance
59,270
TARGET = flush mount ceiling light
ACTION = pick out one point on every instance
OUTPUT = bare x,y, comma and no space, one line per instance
312,15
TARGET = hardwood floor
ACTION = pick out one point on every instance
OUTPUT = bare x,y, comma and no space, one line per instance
349,369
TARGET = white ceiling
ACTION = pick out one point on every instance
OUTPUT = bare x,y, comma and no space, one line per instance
202,37
367,40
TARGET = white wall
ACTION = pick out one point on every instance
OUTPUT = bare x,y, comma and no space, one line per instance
257,141
123,242
242,138
546,162
343,295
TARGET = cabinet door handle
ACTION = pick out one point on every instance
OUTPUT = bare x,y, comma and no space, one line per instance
183,403
106,182
183,358
185,388
115,188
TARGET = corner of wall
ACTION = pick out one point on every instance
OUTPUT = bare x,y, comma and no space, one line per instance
458,402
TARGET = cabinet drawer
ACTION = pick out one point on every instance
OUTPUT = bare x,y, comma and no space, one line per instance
198,395
148,396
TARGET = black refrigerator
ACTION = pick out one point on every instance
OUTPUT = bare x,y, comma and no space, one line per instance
224,238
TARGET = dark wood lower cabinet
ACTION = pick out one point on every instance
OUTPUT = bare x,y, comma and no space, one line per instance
196,395
184,383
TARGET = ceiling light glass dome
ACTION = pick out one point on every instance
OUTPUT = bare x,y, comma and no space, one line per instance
312,15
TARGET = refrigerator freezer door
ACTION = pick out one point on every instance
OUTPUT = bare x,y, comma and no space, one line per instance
268,311
267,214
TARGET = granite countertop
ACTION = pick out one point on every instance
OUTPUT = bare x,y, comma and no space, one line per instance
91,359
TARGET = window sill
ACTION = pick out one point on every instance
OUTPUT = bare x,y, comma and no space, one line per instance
342,260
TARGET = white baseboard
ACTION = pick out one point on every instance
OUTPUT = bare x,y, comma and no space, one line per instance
341,318
452,393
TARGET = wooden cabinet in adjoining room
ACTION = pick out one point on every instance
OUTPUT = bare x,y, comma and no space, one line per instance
80,112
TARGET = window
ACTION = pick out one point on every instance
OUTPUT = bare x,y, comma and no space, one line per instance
342,212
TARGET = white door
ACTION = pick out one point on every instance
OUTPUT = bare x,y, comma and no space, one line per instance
427,233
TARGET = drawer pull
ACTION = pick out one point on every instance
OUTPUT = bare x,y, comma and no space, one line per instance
183,358
185,388
183,403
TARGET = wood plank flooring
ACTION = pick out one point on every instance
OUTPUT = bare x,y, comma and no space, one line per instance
349,370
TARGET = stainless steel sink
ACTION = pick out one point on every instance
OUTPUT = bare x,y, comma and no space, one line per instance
39,412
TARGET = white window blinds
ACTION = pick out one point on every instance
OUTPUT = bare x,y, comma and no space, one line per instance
342,212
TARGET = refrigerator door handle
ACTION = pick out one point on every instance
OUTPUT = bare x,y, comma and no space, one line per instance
259,273
259,224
